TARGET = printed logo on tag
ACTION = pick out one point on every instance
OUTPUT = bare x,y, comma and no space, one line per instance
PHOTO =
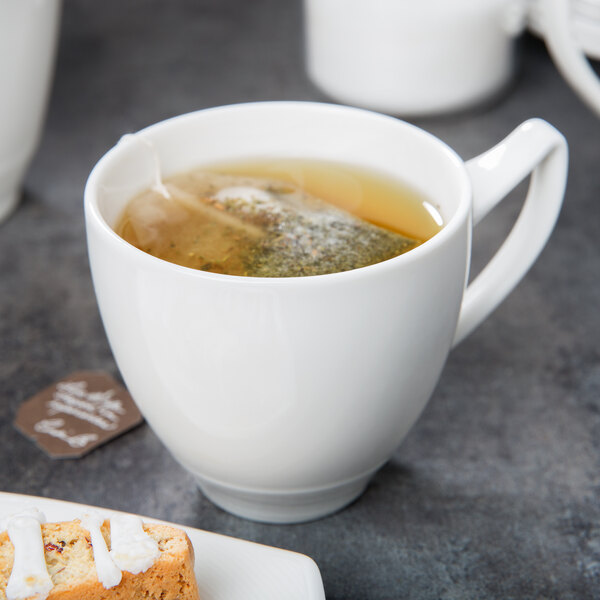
77,414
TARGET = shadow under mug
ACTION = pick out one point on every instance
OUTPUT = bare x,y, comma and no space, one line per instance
283,396
435,56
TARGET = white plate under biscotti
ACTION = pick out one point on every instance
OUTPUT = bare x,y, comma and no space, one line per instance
226,568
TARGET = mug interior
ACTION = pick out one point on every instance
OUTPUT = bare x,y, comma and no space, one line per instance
292,130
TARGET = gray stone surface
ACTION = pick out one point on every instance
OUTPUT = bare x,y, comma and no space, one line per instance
495,492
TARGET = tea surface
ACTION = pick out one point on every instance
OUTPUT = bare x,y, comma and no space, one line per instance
278,218
365,193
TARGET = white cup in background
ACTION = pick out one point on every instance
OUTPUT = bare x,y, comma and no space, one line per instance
571,30
284,395
421,58
28,36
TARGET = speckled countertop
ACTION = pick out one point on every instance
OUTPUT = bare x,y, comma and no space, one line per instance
495,492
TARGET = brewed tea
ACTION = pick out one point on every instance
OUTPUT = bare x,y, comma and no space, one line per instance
278,218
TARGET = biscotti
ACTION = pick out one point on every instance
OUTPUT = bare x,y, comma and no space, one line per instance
95,559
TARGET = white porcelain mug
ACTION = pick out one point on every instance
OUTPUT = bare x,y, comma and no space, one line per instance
571,30
28,36
433,56
284,395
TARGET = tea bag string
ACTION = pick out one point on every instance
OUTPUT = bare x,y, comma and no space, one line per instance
158,185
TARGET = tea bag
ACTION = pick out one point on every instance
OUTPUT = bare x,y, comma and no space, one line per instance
256,227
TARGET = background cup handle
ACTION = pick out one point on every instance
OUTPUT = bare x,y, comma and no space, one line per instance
534,147
567,55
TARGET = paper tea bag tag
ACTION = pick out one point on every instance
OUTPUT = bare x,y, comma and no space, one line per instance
77,414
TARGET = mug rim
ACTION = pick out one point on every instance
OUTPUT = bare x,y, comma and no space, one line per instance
463,208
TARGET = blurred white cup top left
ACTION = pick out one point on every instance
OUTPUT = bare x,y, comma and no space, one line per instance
28,35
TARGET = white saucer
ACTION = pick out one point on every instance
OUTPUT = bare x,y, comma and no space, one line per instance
226,568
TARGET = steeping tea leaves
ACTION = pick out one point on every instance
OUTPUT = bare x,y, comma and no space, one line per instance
254,226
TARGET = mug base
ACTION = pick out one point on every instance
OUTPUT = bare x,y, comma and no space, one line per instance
283,507
430,105
8,203
11,180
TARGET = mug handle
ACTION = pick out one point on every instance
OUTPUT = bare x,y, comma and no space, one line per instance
568,57
534,147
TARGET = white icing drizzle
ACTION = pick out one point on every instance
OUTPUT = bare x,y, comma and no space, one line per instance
109,574
30,512
132,548
29,577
